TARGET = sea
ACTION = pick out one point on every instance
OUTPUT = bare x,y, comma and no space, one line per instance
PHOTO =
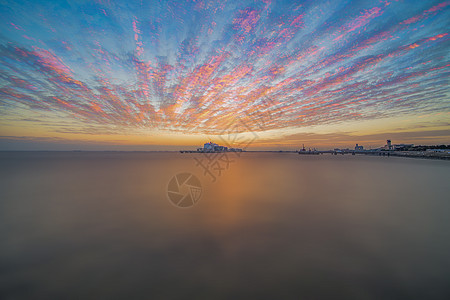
167,225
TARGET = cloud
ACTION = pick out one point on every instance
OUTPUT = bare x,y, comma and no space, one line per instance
191,67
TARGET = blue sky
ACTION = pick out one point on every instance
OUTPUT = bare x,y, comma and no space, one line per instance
177,72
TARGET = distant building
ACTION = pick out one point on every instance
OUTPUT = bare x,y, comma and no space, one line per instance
218,148
209,147
359,148
213,147
402,146
388,145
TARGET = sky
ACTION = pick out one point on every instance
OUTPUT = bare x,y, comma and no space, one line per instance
165,75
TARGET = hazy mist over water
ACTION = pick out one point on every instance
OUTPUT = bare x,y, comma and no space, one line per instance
99,225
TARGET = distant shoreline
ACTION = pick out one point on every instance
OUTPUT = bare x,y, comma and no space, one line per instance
406,154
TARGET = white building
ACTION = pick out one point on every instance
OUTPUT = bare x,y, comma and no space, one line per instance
209,146
213,147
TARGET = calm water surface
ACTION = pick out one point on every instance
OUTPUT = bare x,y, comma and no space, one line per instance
98,225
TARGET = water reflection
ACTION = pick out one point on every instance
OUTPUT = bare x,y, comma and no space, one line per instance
99,225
